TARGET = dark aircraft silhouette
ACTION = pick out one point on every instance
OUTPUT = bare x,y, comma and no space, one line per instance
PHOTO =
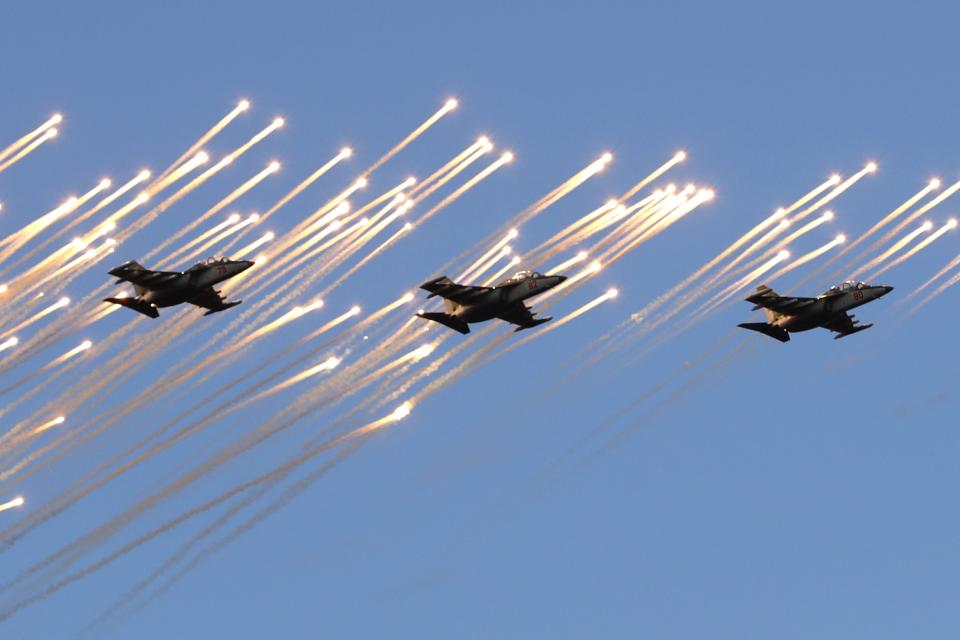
465,304
788,314
194,286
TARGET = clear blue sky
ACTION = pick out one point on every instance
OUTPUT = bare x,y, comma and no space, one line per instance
804,491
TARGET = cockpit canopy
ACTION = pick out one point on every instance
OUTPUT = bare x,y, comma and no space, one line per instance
209,262
843,287
520,276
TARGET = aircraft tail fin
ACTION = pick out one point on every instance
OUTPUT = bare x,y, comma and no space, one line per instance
446,320
776,333
434,286
137,305
763,291
128,268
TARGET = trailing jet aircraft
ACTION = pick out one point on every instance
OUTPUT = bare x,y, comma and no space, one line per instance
788,314
465,304
156,289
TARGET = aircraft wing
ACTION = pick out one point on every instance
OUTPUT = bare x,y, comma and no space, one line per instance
146,278
208,298
781,304
843,324
521,315
449,290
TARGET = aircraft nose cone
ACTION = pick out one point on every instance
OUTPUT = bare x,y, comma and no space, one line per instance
245,264
886,289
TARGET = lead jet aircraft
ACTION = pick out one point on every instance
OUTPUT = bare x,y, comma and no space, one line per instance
156,289
788,314
464,304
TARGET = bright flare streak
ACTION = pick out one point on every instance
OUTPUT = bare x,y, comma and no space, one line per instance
777,215
105,246
486,266
954,279
939,274
887,219
466,186
570,233
17,239
499,273
894,248
421,352
47,135
576,313
379,249
313,177
343,317
232,219
293,314
256,244
650,226
448,106
125,210
109,225
827,216
836,191
12,504
809,256
832,181
13,147
743,282
480,144
263,133
83,346
402,411
679,157
572,183
376,315
327,365
242,106
426,191
165,180
591,270
59,304
48,425
497,246
8,343
253,218
333,226
952,189
920,246
323,214
566,264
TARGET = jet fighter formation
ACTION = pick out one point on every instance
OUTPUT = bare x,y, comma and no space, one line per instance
468,304
789,314
194,286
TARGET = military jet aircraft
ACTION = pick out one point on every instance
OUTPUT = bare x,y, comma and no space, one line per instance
788,314
156,289
466,303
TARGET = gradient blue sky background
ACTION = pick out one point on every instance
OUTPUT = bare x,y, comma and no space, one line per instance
803,490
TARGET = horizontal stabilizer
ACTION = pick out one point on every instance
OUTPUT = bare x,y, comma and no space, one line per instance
446,320
776,333
137,305
533,323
